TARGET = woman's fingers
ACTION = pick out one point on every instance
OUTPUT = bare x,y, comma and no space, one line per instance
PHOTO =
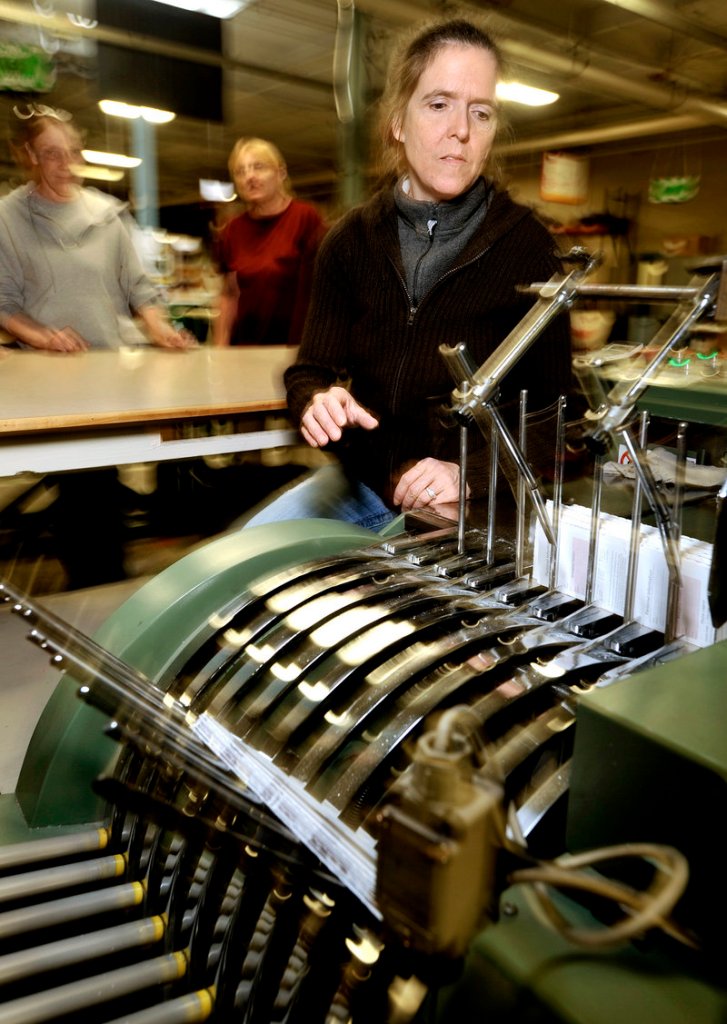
329,412
429,482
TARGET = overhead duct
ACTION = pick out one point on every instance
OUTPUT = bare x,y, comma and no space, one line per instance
578,68
609,133
665,15
575,66
579,65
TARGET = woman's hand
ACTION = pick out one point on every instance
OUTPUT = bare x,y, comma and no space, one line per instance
429,482
328,412
160,331
168,337
40,336
63,340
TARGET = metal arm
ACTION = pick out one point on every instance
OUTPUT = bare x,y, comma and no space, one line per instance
622,399
556,295
459,362
476,389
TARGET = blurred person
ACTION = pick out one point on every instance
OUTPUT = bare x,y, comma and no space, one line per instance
70,277
434,257
266,253
71,280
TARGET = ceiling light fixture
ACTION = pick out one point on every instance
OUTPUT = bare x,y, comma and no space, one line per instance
95,156
97,173
213,191
215,8
528,95
117,108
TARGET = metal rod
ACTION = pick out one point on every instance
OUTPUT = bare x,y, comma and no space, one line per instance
623,397
556,296
675,582
460,364
117,688
70,908
462,513
520,523
595,528
80,995
187,1009
638,292
492,494
590,383
52,848
78,949
661,512
557,491
524,472
635,538
32,883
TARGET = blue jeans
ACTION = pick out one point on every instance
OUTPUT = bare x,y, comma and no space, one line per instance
324,494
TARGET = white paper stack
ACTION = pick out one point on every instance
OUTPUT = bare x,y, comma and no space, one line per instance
612,555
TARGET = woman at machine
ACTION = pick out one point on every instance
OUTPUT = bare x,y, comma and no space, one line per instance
435,257
265,254
70,278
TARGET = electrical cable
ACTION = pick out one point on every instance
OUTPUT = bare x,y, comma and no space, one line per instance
646,909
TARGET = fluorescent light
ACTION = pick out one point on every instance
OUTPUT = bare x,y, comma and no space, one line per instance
117,108
95,156
97,173
528,95
216,191
155,116
215,8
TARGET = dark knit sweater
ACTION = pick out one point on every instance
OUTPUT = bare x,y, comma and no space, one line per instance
362,328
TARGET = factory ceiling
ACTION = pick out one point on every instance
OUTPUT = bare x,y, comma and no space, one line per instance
630,74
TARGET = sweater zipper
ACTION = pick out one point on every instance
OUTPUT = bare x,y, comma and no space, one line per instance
448,273
431,224
414,307
402,282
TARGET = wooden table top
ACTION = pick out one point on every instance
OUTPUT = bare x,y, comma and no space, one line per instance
45,391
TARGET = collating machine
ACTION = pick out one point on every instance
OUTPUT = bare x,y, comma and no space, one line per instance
317,774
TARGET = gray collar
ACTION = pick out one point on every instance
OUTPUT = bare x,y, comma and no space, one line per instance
450,217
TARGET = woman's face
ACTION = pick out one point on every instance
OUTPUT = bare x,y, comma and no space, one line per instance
449,124
258,177
55,154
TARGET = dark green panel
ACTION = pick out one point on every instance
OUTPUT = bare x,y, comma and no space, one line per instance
520,972
151,631
650,764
